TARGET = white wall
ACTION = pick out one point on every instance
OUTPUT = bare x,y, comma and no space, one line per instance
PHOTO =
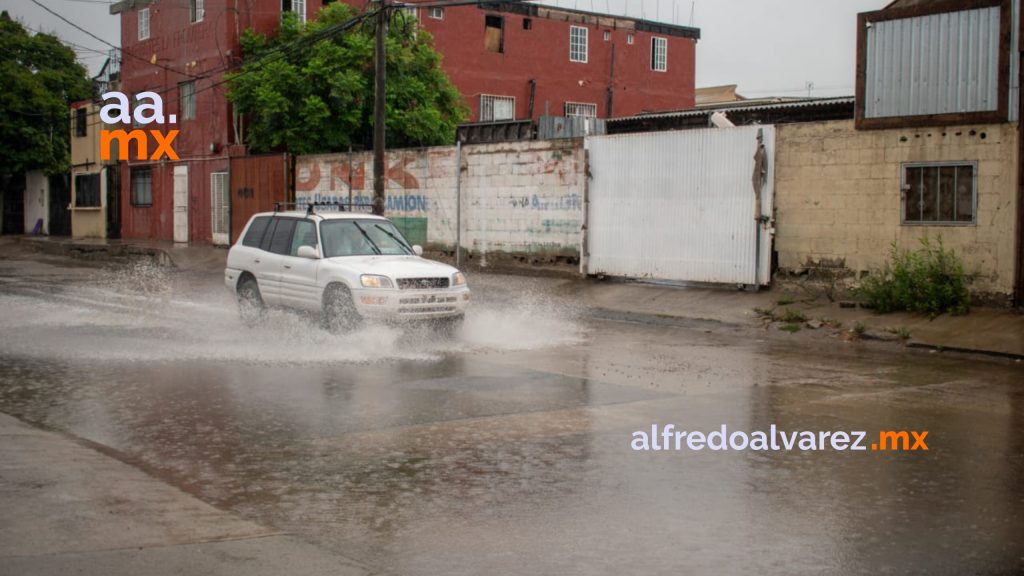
37,201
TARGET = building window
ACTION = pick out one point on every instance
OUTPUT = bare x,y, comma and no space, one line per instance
494,33
142,187
297,6
144,24
81,122
607,35
577,44
581,109
629,38
940,193
436,13
187,93
527,24
195,10
497,108
659,54
87,191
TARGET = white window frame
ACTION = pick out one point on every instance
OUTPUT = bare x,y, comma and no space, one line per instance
298,7
607,35
578,39
581,109
435,12
197,16
629,39
144,24
659,58
492,99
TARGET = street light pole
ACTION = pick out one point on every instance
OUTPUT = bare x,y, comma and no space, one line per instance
379,104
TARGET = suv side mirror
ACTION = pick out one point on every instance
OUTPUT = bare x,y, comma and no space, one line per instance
417,249
308,252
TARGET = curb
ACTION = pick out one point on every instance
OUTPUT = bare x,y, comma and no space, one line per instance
87,251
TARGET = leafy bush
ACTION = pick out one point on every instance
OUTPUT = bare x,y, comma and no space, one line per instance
930,281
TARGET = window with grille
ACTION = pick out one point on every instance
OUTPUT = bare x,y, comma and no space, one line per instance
436,13
144,24
659,54
581,109
577,44
195,10
220,217
87,191
497,108
940,193
187,93
142,187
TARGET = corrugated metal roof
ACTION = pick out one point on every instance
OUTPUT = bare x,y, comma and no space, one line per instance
815,102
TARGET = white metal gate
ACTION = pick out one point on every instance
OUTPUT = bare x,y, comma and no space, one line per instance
681,205
181,203
220,217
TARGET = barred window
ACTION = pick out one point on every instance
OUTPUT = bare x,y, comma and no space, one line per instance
142,187
577,44
87,190
497,108
940,193
436,13
581,109
659,54
144,24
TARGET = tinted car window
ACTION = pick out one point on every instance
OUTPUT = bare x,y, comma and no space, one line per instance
282,239
254,235
305,235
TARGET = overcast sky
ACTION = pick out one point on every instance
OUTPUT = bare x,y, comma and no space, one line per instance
768,47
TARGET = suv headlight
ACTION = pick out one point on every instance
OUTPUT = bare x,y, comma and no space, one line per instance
374,281
458,279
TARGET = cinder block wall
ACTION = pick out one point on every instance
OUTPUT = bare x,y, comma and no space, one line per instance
837,196
517,197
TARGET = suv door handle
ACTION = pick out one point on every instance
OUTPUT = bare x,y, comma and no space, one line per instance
287,266
256,260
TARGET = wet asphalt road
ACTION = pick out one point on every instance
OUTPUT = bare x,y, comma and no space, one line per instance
507,450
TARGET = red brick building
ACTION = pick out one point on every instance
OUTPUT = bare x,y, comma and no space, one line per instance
509,60
536,58
181,49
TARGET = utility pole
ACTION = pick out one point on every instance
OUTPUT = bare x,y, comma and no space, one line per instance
379,103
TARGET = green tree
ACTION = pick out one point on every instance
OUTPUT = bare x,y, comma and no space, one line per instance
310,88
39,78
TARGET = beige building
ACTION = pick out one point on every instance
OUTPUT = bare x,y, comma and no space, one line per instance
94,211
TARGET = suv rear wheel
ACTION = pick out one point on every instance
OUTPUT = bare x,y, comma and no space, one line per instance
250,302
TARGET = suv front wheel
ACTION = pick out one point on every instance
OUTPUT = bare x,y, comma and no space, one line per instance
340,312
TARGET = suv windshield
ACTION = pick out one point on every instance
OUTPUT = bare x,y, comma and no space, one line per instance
362,238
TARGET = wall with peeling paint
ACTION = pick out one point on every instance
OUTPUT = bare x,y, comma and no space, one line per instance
838,197
517,198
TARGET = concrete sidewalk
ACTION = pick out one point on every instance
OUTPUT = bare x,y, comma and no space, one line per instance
984,330
68,509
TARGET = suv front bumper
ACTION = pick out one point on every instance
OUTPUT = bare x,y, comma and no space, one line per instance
411,304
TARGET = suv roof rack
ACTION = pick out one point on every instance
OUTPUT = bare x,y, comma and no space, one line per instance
311,206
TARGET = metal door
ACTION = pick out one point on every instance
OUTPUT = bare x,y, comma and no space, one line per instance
181,203
681,205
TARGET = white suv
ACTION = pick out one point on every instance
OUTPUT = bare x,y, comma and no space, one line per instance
349,266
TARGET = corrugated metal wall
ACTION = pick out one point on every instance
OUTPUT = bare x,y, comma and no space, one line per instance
679,205
938,64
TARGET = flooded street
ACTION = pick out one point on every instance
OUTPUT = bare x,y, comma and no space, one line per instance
507,450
